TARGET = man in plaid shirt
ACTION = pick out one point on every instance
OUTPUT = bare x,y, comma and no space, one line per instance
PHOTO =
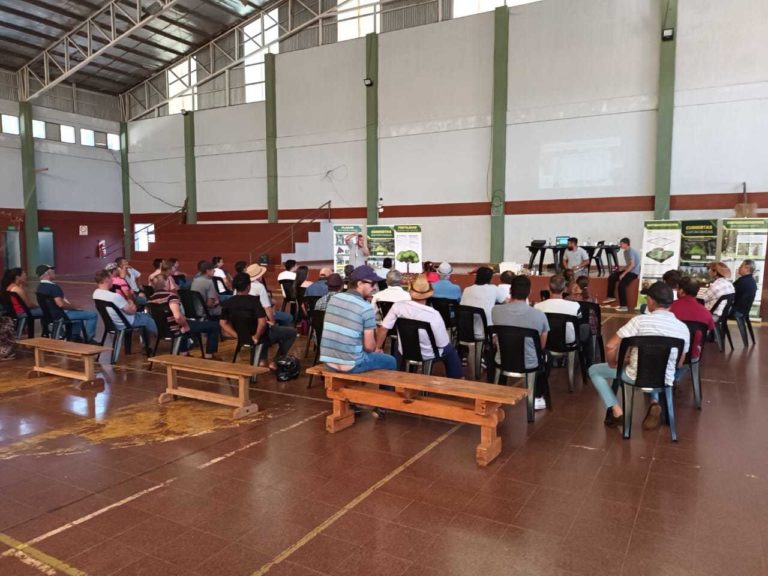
720,286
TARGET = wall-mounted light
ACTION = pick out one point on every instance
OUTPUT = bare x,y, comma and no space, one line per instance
380,205
667,34
368,82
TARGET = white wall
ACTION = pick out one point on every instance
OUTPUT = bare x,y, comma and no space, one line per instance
321,126
156,157
11,194
230,159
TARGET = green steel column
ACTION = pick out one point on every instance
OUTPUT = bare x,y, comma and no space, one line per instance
126,179
666,114
372,127
29,187
271,112
190,166
499,131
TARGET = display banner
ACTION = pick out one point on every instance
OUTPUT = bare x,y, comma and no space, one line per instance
661,251
340,248
408,255
746,239
381,244
698,247
401,242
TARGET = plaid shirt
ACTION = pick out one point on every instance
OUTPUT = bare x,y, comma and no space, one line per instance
718,288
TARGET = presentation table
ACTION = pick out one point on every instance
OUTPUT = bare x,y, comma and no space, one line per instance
611,255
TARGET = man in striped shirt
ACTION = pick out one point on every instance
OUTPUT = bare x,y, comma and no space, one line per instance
660,322
348,343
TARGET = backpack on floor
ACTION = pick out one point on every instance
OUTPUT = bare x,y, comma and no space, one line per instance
288,368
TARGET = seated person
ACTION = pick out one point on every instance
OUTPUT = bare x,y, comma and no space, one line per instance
119,284
672,279
335,284
164,268
203,285
386,266
719,286
15,280
417,309
428,268
177,275
444,288
624,276
104,282
178,323
319,288
688,309
556,304
277,332
580,293
520,314
660,322
394,291
243,305
217,263
156,269
301,280
48,287
745,288
240,266
482,294
289,273
505,280
130,274
576,259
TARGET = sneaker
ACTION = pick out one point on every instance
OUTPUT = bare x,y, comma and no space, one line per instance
539,404
653,417
622,309
615,421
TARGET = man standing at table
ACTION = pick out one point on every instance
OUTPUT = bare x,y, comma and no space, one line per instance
623,276
576,259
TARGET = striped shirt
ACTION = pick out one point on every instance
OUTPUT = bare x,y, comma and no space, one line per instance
659,323
347,316
164,297
718,288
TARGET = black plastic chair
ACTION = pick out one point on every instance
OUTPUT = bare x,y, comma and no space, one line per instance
597,258
465,334
721,324
512,345
447,309
221,287
559,347
694,363
589,310
544,295
56,320
307,306
7,300
289,296
161,312
194,304
118,334
653,353
411,355
384,308
148,290
316,317
246,325
743,322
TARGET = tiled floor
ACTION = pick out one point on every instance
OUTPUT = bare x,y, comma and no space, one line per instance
113,483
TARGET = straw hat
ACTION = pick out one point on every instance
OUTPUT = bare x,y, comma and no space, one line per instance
421,289
255,271
721,269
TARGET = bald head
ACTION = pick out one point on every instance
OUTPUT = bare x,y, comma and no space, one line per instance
325,272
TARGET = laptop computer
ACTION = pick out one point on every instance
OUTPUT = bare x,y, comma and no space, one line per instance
561,241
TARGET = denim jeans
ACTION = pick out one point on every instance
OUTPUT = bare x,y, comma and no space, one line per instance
199,327
374,361
87,318
452,362
283,318
602,377
146,321
33,313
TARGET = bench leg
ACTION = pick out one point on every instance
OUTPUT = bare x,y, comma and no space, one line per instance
489,447
170,386
342,417
246,408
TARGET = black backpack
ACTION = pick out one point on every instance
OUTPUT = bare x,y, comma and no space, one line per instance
288,368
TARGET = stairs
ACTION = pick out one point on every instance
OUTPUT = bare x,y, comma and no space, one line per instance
317,248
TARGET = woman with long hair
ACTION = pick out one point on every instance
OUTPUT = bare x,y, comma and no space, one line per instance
15,280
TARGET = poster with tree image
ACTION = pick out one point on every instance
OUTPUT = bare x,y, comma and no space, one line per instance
408,255
745,239
698,247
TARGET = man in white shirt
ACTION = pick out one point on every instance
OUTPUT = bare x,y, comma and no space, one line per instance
136,319
358,249
660,322
278,331
217,262
576,259
416,308
290,271
482,294
394,291
557,305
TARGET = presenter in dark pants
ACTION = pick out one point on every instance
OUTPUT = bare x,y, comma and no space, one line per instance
623,276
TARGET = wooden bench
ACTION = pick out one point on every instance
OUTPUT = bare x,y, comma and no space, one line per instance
242,373
470,402
63,348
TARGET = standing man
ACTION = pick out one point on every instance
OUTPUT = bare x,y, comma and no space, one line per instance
623,276
349,343
576,259
48,287
444,288
358,249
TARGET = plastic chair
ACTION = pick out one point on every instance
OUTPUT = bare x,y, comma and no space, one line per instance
221,288
653,353
721,324
589,310
7,299
447,309
694,363
512,346
307,306
408,333
316,317
246,325
465,334
597,258
194,304
289,296
384,308
56,320
118,334
558,346
161,312
743,322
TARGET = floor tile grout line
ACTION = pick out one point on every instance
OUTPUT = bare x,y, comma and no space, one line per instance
311,535
37,559
146,491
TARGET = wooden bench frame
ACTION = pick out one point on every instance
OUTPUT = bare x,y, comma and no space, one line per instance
63,348
187,364
475,403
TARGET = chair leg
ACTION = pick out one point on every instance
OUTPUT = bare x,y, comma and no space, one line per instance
748,322
696,380
530,384
670,408
742,325
477,355
601,347
119,337
21,323
176,344
310,333
426,367
627,401
571,359
727,332
719,338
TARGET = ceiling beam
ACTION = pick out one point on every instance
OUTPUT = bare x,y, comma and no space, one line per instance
55,71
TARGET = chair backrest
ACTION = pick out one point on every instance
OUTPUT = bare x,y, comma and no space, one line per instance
653,354
726,311
317,317
544,295
245,324
696,328
218,283
51,311
309,302
558,326
408,332
194,304
382,284
465,322
6,301
161,312
103,307
289,290
591,310
384,307
447,309
148,290
512,346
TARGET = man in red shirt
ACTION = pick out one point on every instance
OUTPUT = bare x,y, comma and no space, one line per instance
687,309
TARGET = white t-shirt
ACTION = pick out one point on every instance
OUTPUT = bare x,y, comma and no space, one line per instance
560,306
485,297
575,258
382,273
391,294
286,275
258,289
415,311
503,290
117,300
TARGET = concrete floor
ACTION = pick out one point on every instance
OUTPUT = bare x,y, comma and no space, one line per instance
111,482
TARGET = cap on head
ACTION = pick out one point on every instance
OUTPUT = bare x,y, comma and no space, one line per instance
421,289
445,269
111,266
365,274
42,269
